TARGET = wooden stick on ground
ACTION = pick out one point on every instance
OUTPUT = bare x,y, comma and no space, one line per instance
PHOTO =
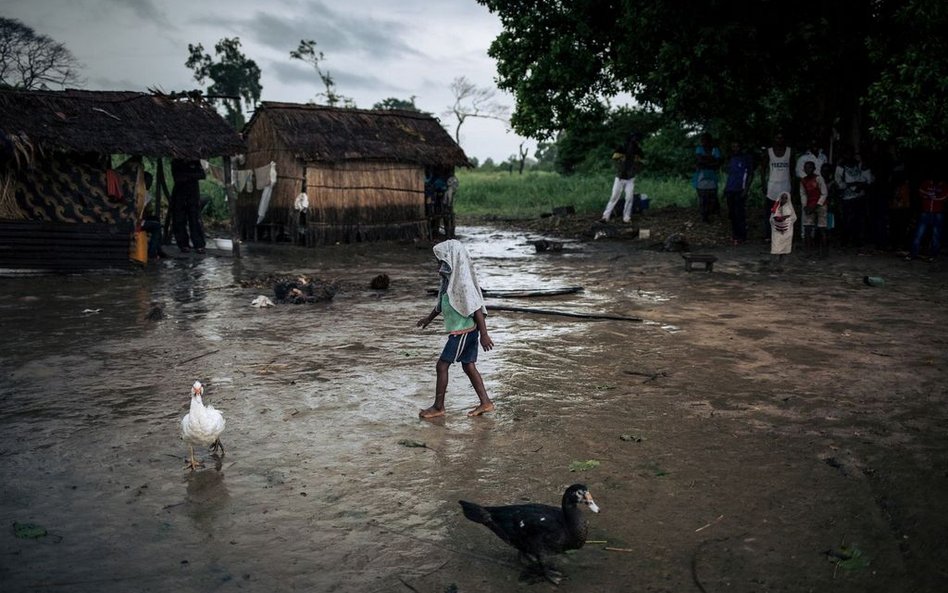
563,313
197,357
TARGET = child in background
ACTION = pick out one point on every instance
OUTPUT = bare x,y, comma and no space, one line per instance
461,302
813,196
782,218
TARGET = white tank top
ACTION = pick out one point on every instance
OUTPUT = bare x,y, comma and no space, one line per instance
779,179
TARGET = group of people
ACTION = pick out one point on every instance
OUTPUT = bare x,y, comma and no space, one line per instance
846,197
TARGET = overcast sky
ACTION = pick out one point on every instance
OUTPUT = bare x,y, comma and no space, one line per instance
374,49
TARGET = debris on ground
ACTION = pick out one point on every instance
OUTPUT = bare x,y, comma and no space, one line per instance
261,302
28,531
581,466
156,312
295,290
380,282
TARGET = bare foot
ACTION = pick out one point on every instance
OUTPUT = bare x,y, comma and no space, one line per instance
431,412
482,409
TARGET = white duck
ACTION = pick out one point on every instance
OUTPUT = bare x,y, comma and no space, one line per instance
203,425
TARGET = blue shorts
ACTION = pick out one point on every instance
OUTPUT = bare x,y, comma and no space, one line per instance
461,348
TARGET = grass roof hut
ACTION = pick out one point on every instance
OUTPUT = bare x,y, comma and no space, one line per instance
363,172
63,206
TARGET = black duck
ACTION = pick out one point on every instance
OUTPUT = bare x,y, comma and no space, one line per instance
538,530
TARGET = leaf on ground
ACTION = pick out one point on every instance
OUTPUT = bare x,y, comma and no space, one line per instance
581,466
412,443
28,530
849,558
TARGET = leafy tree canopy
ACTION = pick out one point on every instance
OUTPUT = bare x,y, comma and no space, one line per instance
29,60
752,67
234,76
393,103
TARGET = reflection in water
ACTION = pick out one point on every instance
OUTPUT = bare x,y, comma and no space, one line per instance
207,496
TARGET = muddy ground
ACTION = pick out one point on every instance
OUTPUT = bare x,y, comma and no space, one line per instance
757,431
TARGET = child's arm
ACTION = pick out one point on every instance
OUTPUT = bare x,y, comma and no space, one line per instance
481,322
424,321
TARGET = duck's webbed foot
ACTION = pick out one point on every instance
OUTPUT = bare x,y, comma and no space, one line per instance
551,574
192,463
538,571
217,447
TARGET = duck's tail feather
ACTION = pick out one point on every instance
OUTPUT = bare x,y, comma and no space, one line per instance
476,512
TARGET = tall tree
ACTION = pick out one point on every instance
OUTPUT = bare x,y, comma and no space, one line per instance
756,66
234,77
32,61
306,52
907,102
471,100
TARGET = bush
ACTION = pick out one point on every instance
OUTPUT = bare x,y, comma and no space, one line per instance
527,196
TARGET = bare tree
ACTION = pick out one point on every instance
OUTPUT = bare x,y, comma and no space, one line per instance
306,52
32,61
471,100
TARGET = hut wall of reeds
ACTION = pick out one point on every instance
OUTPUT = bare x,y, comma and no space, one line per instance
63,205
363,172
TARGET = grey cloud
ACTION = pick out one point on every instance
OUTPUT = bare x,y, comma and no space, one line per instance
147,10
334,31
290,73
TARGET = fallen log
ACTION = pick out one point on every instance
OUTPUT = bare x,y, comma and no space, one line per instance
563,313
501,293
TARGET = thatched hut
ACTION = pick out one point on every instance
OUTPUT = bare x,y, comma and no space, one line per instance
363,173
63,205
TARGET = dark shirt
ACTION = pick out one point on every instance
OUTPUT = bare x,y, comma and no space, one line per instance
740,167
627,161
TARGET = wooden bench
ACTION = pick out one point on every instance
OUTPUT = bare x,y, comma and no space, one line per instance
699,258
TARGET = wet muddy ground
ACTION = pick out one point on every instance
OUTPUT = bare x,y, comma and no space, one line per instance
758,431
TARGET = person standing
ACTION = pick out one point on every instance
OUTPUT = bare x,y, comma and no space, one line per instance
627,160
776,170
853,180
814,154
705,180
740,173
934,194
813,197
186,202
461,303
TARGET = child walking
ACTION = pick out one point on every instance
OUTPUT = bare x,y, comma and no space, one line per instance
461,303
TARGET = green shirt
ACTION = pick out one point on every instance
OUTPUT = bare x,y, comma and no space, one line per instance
454,322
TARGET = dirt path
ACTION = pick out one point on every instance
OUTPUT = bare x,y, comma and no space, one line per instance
768,418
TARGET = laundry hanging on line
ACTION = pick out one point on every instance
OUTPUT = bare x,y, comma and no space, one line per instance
266,177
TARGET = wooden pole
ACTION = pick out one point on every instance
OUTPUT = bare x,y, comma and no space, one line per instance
232,201
562,313
161,186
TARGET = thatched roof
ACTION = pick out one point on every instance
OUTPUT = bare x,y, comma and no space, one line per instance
334,134
115,122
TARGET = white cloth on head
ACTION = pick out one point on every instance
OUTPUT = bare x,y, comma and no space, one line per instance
781,225
464,293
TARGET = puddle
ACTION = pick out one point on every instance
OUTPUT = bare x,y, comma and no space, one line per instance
316,398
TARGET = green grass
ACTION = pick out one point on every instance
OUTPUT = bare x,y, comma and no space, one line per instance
527,196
